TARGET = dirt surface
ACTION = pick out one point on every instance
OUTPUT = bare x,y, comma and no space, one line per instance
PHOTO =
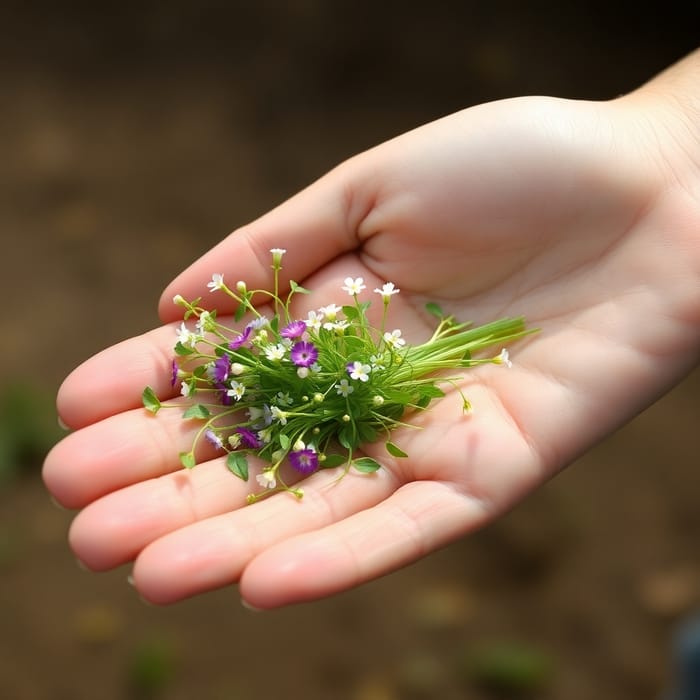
135,137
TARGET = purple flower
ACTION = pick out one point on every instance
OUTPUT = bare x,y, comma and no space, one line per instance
250,439
173,376
294,330
303,354
304,461
240,338
220,370
214,439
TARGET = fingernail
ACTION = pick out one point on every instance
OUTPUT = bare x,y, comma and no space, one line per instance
58,505
62,425
82,566
132,582
250,607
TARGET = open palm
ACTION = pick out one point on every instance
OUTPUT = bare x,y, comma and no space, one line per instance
550,209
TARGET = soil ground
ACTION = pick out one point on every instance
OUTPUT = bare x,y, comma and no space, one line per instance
136,136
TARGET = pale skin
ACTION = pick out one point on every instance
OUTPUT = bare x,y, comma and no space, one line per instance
584,217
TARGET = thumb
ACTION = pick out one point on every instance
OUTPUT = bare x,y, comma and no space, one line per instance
315,226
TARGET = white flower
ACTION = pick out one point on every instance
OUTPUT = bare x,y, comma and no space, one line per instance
314,320
343,387
359,371
394,338
267,479
255,414
185,389
205,322
277,254
376,362
185,336
278,414
302,372
504,358
330,311
387,290
265,435
275,352
337,326
353,286
217,282
236,391
258,323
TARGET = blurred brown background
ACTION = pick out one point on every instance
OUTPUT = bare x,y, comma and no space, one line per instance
135,136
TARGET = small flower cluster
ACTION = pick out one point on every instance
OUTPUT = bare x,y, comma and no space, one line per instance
309,391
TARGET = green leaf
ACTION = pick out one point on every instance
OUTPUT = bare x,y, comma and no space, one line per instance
434,392
435,310
187,459
348,437
394,450
423,401
366,432
284,441
402,397
297,288
196,411
366,465
237,463
239,313
181,349
350,313
332,461
150,400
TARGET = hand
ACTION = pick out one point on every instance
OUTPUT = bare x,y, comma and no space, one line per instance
581,216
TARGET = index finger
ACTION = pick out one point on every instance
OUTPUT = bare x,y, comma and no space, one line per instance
113,380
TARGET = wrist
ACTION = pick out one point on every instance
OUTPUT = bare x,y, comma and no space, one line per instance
666,112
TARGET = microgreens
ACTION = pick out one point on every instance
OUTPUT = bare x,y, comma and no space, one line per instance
309,392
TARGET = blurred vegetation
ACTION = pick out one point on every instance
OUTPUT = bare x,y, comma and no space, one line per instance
152,668
28,429
508,669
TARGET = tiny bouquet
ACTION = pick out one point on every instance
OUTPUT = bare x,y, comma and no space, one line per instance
309,391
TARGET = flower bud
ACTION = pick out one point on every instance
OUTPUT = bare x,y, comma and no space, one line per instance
377,400
241,287
277,254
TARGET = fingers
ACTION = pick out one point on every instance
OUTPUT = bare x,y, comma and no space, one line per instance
314,227
417,519
114,379
213,551
115,528
116,452
285,551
